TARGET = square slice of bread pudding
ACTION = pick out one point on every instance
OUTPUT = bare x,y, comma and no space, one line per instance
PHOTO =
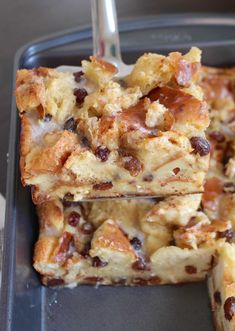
128,242
88,134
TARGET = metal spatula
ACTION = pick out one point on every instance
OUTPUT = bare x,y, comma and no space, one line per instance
106,43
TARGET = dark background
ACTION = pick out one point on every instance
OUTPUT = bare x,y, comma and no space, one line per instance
24,20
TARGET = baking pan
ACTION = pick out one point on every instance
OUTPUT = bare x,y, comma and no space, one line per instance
25,304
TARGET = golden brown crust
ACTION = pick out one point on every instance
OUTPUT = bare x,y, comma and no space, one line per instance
104,65
52,158
30,90
51,215
110,236
25,136
44,248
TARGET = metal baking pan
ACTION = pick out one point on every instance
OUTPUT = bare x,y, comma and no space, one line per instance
25,304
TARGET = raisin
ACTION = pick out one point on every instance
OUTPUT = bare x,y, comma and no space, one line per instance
190,269
67,203
47,118
103,186
229,188
200,145
148,178
217,136
228,152
139,265
217,297
70,125
84,142
132,164
55,282
228,234
98,263
136,243
74,218
85,251
122,83
229,308
80,94
172,242
78,76
102,153
87,228
176,170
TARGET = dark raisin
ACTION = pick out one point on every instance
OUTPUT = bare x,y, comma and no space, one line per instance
80,94
84,142
148,178
67,203
229,188
87,228
217,136
103,186
70,125
133,165
47,118
139,265
228,152
55,282
190,269
74,218
217,297
78,76
229,308
98,263
172,242
228,234
102,153
200,145
122,83
176,170
136,243
85,251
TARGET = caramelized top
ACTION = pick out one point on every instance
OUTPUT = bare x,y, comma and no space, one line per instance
184,107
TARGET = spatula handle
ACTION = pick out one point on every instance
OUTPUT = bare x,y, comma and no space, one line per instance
106,43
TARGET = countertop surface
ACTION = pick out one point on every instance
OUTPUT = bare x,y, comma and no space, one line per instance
24,20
